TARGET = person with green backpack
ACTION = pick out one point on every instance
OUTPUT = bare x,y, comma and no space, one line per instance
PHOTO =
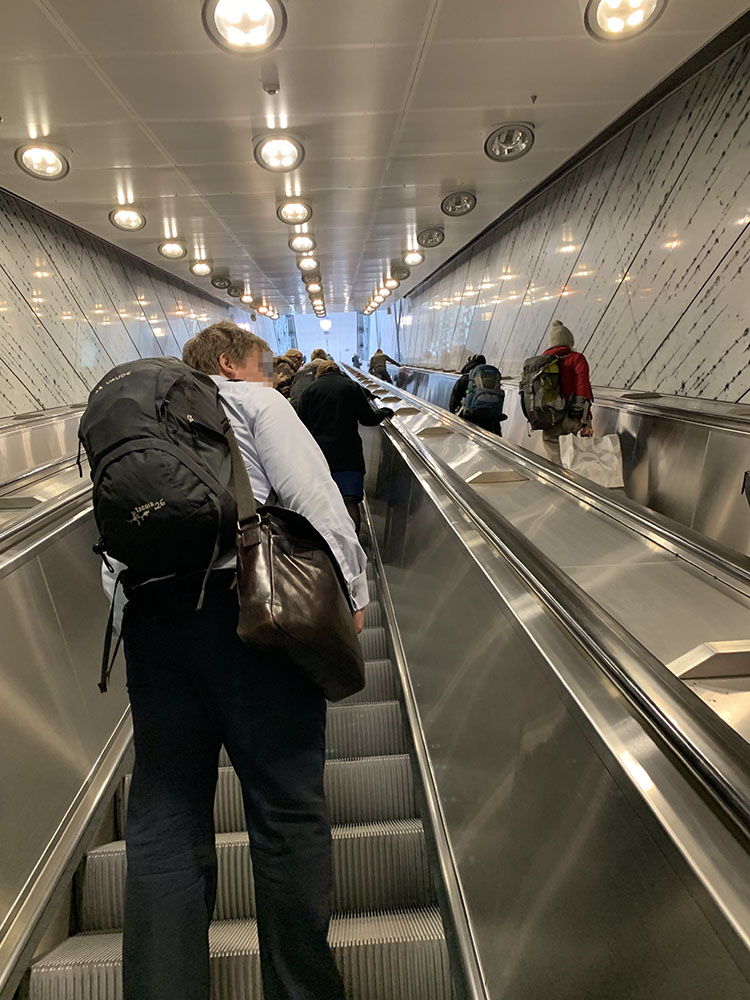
556,394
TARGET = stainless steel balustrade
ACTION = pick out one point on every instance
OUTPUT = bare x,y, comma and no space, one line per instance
592,860
684,458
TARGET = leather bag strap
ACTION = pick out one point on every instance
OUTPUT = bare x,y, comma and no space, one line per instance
243,491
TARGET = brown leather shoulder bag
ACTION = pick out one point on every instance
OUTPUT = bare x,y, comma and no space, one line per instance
291,592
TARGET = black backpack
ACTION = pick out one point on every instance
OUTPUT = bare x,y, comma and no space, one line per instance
153,431
484,393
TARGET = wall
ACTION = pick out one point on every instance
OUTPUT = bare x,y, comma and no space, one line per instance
72,306
639,250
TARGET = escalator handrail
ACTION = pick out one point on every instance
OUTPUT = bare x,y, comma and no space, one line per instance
712,751
54,510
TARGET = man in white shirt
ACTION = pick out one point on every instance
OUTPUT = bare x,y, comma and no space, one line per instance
194,686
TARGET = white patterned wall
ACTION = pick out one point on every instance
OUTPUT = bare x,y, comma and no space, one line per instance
639,250
72,306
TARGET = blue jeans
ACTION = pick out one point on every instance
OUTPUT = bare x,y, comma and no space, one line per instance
193,687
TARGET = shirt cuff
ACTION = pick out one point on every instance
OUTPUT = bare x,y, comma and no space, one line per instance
358,592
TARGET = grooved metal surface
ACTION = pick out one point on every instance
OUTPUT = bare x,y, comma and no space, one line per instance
373,614
375,865
358,791
365,730
386,955
374,643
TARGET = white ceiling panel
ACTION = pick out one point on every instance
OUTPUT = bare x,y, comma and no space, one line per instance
392,101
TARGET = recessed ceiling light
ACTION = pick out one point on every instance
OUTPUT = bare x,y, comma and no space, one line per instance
385,292
247,298
42,161
172,249
309,278
378,299
245,26
263,310
616,20
302,243
235,291
308,264
314,287
391,283
509,141
128,219
430,238
278,153
458,203
400,271
413,257
221,281
294,212
201,268
317,303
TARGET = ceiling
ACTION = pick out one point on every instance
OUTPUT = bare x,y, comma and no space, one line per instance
392,100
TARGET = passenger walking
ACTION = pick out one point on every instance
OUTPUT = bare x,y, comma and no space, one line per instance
284,370
332,408
305,375
378,364
556,394
357,362
194,686
477,395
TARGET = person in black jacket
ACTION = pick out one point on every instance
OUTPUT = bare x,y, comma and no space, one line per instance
332,408
462,382
378,364
306,375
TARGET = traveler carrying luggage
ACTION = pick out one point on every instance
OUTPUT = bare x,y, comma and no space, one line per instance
542,399
484,395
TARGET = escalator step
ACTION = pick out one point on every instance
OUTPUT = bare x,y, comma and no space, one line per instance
375,866
374,644
380,683
359,729
366,790
365,730
392,955
373,614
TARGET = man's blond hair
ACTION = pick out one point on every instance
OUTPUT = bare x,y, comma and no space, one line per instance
319,353
203,351
326,366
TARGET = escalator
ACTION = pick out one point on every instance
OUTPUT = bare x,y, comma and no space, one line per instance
386,932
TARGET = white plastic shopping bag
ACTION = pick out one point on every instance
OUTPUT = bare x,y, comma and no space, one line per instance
597,458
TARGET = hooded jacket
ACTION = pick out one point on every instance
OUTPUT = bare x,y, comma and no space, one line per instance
304,377
462,383
574,374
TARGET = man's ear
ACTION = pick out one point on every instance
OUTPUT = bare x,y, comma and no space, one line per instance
226,367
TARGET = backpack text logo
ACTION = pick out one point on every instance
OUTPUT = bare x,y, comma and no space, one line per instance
139,514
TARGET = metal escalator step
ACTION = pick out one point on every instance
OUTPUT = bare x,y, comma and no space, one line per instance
374,644
375,866
380,685
373,614
392,955
365,790
365,730
361,728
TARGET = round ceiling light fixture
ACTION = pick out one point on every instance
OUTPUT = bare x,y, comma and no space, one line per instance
245,26
294,212
308,264
313,287
221,281
378,299
172,250
325,325
235,291
430,238
278,153
302,243
413,258
509,141
42,161
385,292
263,309
247,298
310,278
201,268
458,203
616,20
391,283
317,303
400,272
128,219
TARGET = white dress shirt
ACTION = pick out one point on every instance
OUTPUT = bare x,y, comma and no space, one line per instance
280,454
